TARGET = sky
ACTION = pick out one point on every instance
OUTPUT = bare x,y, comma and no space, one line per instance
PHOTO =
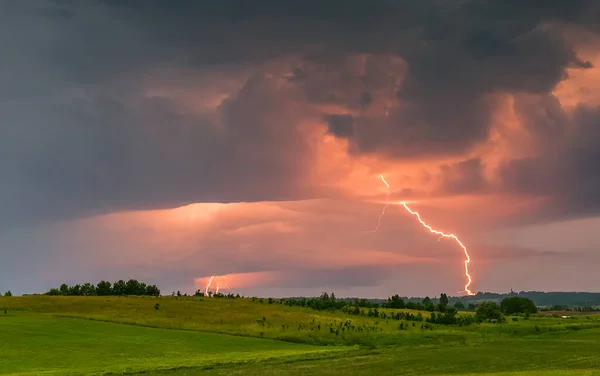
172,141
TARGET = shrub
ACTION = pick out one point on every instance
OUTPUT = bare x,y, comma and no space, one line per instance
489,311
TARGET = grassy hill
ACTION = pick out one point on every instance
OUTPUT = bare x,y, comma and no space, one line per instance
56,346
188,336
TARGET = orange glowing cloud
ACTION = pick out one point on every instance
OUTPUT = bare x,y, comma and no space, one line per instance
240,280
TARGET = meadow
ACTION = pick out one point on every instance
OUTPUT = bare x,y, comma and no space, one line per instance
56,335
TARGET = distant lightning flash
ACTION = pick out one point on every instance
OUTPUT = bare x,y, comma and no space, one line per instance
218,285
385,207
208,285
442,235
381,217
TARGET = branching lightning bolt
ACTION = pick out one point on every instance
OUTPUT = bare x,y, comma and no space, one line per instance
442,235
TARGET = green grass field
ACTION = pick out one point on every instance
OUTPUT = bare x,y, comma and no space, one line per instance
44,335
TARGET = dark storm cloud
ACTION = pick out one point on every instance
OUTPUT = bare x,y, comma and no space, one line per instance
462,177
366,99
567,175
341,125
98,154
79,135
456,62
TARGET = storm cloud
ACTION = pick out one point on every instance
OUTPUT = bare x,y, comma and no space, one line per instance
276,118
81,134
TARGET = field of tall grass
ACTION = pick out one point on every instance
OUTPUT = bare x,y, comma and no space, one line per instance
188,336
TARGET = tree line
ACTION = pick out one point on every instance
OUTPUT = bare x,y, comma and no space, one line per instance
441,313
540,298
558,307
105,288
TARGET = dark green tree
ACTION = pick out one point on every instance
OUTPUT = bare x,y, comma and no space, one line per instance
489,311
104,288
64,289
132,287
152,290
87,289
75,290
395,302
444,299
119,288
459,305
8,293
517,305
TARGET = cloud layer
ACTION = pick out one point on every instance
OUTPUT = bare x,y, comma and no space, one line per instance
111,107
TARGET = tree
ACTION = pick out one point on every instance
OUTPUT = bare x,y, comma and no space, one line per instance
152,290
516,304
444,299
141,290
459,305
119,288
75,290
489,311
451,311
427,301
395,302
64,289
8,293
104,288
54,292
132,287
87,289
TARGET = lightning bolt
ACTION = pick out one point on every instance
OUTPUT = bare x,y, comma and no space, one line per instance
384,181
208,285
380,217
217,290
386,205
442,235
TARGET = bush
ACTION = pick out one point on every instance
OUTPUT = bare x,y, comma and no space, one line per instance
489,311
517,305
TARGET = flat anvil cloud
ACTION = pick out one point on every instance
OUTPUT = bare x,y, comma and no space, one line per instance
112,108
